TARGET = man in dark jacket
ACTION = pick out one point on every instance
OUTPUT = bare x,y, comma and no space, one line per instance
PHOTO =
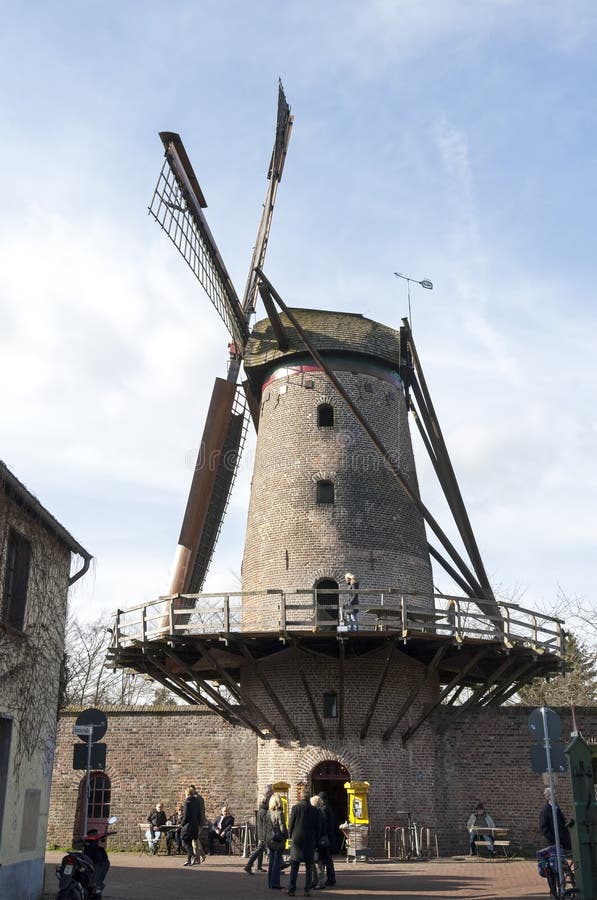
546,823
189,827
304,830
220,829
332,831
155,819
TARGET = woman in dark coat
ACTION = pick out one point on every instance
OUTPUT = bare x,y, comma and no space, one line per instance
276,834
257,854
304,828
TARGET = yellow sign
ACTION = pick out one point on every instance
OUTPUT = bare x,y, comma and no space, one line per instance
358,802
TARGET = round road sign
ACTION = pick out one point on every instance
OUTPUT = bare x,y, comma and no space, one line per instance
552,721
94,717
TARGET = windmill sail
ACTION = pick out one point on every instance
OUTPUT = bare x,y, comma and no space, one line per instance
283,128
177,205
217,461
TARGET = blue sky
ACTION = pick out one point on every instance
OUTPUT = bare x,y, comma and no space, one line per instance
449,140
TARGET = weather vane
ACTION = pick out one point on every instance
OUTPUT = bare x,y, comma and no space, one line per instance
428,285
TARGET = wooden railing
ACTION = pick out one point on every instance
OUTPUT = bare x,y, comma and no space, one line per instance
319,611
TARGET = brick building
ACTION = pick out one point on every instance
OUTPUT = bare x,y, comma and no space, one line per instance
152,753
35,575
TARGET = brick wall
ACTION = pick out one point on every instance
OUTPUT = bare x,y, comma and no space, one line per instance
451,763
371,529
152,755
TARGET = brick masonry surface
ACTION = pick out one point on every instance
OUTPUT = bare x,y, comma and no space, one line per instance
372,529
450,764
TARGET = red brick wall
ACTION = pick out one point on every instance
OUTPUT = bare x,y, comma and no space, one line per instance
152,755
452,762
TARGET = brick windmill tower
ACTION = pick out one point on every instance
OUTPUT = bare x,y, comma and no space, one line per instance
339,684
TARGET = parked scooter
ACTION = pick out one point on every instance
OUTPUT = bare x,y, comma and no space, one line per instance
82,872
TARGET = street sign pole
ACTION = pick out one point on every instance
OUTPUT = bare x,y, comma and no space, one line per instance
83,731
552,792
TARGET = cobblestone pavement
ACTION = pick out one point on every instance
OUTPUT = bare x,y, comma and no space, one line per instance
135,877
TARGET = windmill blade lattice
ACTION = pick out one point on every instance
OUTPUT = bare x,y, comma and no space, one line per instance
225,477
176,206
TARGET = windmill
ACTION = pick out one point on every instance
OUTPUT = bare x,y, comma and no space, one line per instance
177,205
334,490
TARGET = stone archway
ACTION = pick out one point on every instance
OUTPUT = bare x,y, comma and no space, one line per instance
330,776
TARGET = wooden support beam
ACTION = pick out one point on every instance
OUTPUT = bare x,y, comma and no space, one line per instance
271,693
232,686
431,706
309,695
412,696
233,710
183,689
521,677
483,688
380,683
341,680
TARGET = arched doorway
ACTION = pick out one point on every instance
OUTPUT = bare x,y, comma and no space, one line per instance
330,776
98,807
326,591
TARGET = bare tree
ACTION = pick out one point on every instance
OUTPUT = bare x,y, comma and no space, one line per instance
88,682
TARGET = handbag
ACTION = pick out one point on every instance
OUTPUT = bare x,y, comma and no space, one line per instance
278,839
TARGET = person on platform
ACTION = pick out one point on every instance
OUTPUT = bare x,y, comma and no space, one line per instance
332,831
353,601
189,827
546,823
480,819
155,819
257,854
304,828
276,835
220,830
173,836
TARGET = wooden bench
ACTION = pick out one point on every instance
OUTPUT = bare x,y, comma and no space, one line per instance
501,841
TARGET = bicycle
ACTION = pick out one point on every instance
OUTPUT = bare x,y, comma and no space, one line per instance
547,862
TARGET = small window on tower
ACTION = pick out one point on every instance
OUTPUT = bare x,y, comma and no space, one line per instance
325,415
330,705
325,491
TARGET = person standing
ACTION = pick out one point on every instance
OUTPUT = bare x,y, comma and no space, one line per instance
257,854
546,823
480,819
353,601
304,828
156,818
199,848
276,835
330,819
190,824
322,848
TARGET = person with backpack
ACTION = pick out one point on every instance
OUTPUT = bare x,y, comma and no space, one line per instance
276,835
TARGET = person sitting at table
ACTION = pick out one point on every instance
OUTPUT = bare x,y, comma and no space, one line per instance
156,818
478,823
173,836
220,829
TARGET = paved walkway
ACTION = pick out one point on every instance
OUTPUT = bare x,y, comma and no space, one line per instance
135,877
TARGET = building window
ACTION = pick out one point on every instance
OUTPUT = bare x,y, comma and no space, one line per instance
16,579
325,415
330,705
100,790
5,740
325,491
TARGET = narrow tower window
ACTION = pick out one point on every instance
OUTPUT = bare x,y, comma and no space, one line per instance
325,415
330,705
325,492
